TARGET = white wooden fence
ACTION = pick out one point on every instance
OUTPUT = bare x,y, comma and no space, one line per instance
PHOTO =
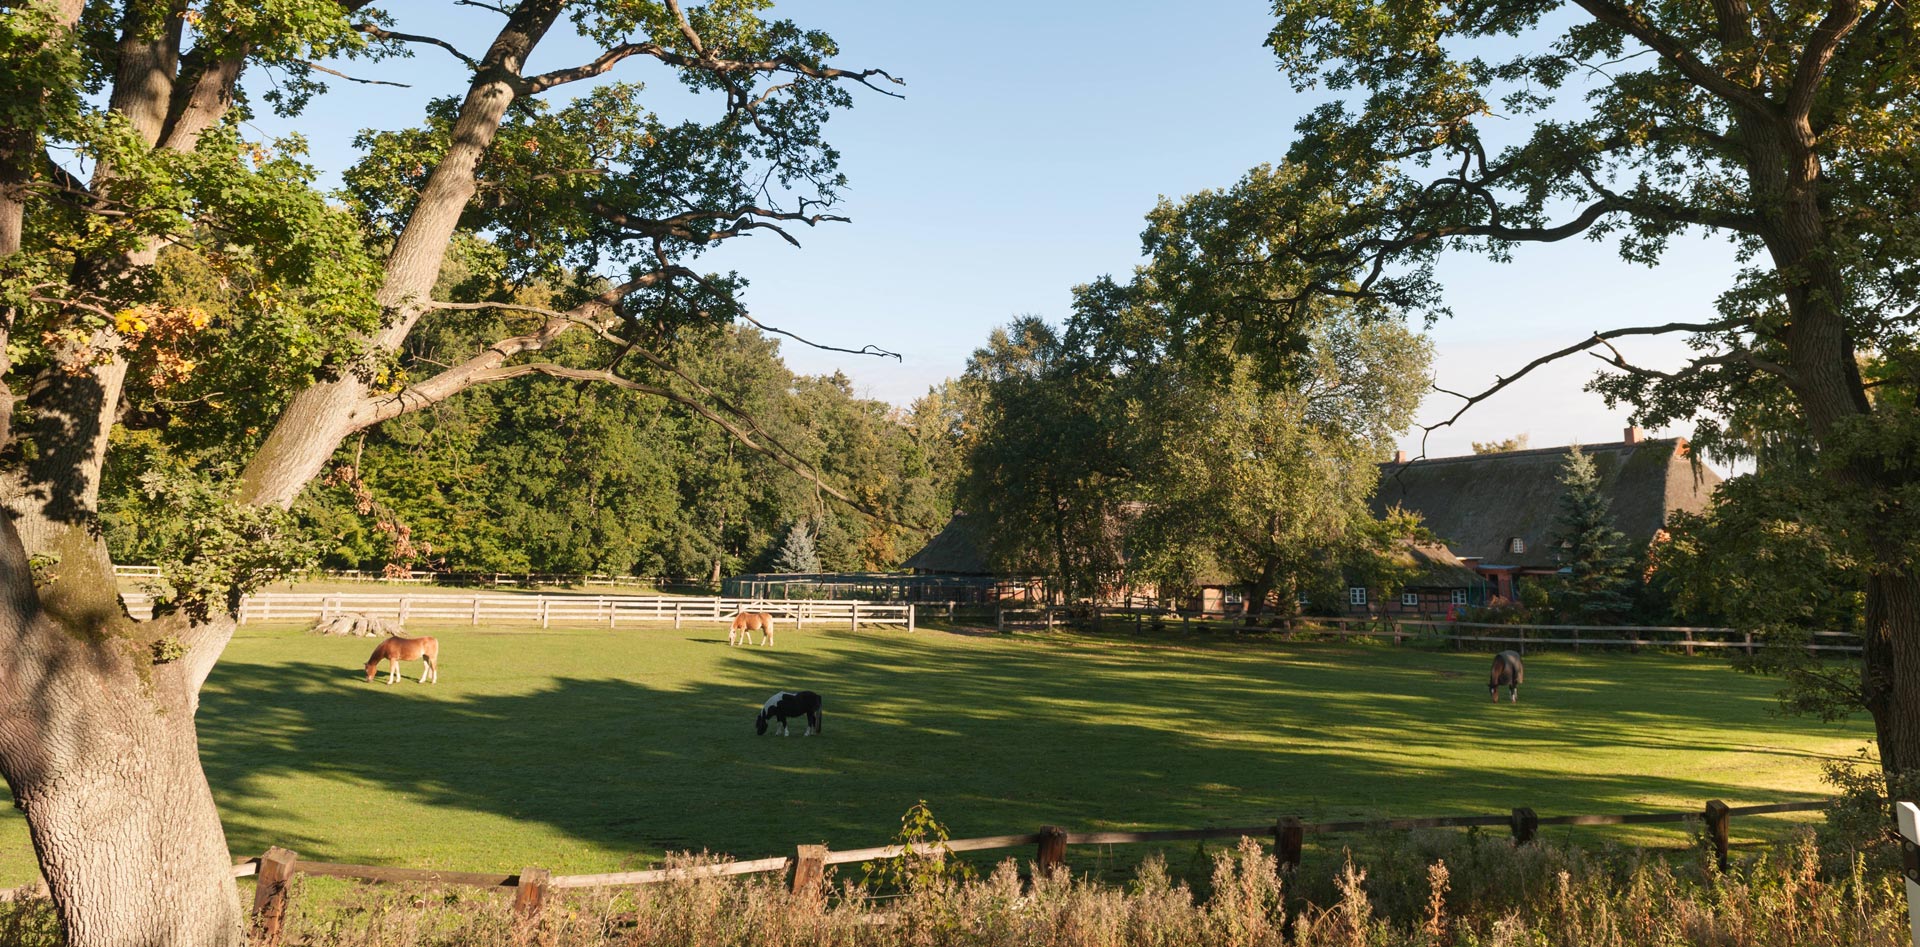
548,610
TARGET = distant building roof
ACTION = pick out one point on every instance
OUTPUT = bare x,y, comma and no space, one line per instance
1478,505
1436,567
958,549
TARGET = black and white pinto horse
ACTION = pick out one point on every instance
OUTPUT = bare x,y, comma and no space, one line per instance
789,704
1506,672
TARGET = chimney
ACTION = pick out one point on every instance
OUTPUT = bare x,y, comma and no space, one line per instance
1634,435
1399,457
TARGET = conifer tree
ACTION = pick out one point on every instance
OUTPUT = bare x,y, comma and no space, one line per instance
797,554
1598,587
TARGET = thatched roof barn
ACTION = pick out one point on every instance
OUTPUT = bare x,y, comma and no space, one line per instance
1498,510
958,549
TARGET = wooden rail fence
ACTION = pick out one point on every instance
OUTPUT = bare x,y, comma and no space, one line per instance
430,577
533,887
548,610
1689,639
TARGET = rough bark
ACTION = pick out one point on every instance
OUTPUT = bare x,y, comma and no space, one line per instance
98,746
320,417
1892,682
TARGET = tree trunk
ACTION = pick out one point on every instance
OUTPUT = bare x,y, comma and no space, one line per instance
97,743
1892,680
322,415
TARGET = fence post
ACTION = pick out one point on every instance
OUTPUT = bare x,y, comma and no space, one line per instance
1000,620
547,620
854,624
1908,816
1689,645
1749,642
1053,850
910,617
1523,640
406,607
1576,641
1288,835
1525,825
476,611
1719,823
529,896
676,615
810,872
270,895
1397,635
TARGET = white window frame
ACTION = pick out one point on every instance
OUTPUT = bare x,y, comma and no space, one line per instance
1517,546
1410,598
1459,596
1356,595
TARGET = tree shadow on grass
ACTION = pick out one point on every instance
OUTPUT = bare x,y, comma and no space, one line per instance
999,737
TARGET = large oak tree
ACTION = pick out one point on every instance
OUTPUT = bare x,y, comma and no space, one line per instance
121,137
1788,127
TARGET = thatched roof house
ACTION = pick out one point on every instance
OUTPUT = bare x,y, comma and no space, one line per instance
1496,511
1434,566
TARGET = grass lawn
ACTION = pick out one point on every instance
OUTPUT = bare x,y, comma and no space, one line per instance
589,750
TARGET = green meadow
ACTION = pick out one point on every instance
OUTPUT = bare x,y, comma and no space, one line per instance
587,750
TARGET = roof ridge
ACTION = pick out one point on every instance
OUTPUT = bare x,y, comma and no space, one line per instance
1530,452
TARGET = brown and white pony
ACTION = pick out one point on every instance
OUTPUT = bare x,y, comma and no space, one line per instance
397,649
744,625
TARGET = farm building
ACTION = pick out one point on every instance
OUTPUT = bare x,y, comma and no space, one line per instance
1439,584
1495,512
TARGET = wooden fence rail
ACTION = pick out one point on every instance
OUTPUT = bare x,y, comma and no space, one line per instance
1401,629
548,610
533,887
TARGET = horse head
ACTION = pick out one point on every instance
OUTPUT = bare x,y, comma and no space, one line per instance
760,724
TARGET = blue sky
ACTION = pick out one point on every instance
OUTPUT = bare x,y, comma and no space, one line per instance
1032,140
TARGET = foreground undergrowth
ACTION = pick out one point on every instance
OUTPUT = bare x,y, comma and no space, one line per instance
1436,890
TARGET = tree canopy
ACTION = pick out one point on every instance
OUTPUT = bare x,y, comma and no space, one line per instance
189,316
1785,127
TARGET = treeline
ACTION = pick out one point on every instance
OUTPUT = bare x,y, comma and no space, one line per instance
1132,448
547,474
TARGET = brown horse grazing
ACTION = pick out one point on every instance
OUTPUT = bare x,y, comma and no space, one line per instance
1507,672
744,624
397,649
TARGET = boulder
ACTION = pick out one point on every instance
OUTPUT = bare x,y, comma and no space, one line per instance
357,625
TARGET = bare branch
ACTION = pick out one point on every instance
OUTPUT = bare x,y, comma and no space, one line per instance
1598,338
868,349
1694,366
335,72
391,36
744,219
607,60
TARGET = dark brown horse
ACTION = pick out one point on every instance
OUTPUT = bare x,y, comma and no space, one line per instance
1507,672
398,649
744,625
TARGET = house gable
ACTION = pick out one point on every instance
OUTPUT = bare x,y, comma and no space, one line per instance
1479,505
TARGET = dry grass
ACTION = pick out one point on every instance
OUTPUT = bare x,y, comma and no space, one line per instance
1479,891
